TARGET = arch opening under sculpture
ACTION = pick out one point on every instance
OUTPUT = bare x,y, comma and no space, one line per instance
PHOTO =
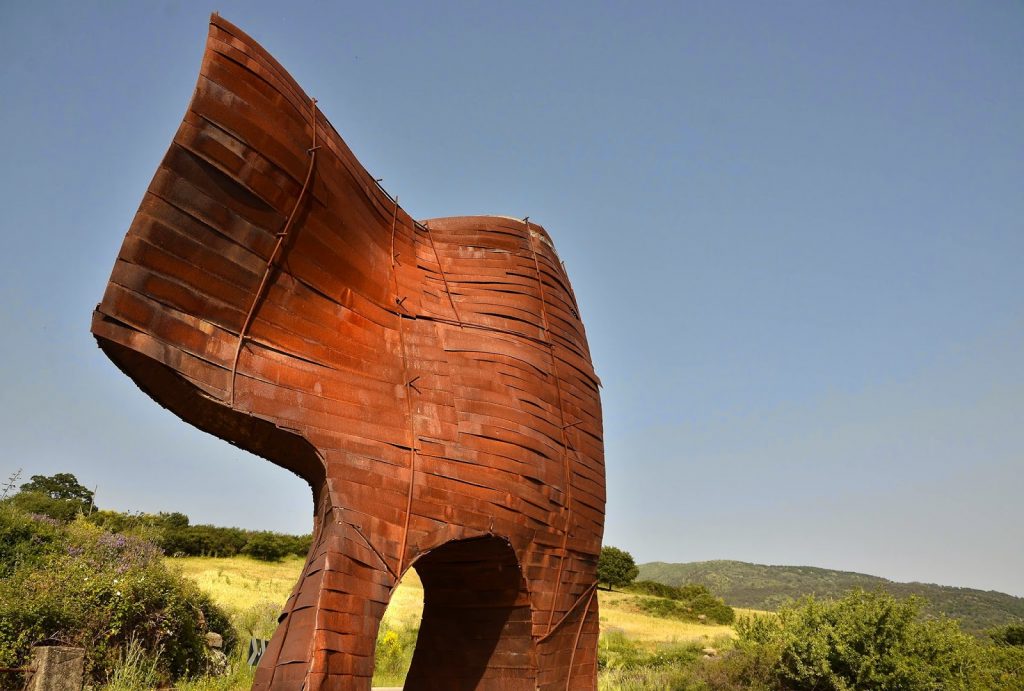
476,626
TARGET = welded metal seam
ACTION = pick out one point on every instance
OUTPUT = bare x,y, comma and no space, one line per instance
281,238
408,385
576,641
444,278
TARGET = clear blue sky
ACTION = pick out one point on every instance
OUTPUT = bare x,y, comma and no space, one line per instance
796,231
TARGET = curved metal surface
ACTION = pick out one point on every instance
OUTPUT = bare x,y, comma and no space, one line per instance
431,381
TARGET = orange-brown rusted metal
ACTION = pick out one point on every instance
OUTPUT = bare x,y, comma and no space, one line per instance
431,381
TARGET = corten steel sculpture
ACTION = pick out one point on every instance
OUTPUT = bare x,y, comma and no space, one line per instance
431,381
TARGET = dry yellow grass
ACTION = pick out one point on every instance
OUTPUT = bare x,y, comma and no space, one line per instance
618,612
238,583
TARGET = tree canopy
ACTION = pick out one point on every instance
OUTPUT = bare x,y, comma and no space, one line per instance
60,487
616,568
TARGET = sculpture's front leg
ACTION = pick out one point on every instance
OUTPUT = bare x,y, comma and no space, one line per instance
344,586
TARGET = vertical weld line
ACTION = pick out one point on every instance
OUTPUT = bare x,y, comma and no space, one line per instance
566,478
281,238
576,641
408,404
444,278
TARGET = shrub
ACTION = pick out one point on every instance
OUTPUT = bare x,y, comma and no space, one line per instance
687,602
865,640
687,591
267,546
654,588
713,608
108,593
25,538
44,505
1002,668
1011,634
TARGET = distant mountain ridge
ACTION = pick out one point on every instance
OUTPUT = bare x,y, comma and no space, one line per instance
759,586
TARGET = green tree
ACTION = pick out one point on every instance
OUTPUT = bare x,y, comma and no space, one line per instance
267,546
616,568
61,487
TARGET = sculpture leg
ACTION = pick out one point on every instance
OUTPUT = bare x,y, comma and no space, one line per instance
568,657
328,631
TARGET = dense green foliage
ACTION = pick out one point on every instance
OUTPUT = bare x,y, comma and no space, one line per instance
705,607
173,534
1011,634
62,497
25,539
867,640
615,567
690,602
81,585
61,487
769,587
672,592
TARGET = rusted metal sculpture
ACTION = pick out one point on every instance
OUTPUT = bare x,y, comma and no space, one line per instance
431,381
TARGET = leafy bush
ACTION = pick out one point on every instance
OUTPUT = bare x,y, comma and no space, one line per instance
656,589
173,534
1011,634
866,640
268,546
687,591
105,592
25,538
63,498
712,608
687,602
44,505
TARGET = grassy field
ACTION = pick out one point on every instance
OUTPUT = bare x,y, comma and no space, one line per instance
254,592
618,612
240,583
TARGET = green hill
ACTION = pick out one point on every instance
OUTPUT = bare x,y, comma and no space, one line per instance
758,586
